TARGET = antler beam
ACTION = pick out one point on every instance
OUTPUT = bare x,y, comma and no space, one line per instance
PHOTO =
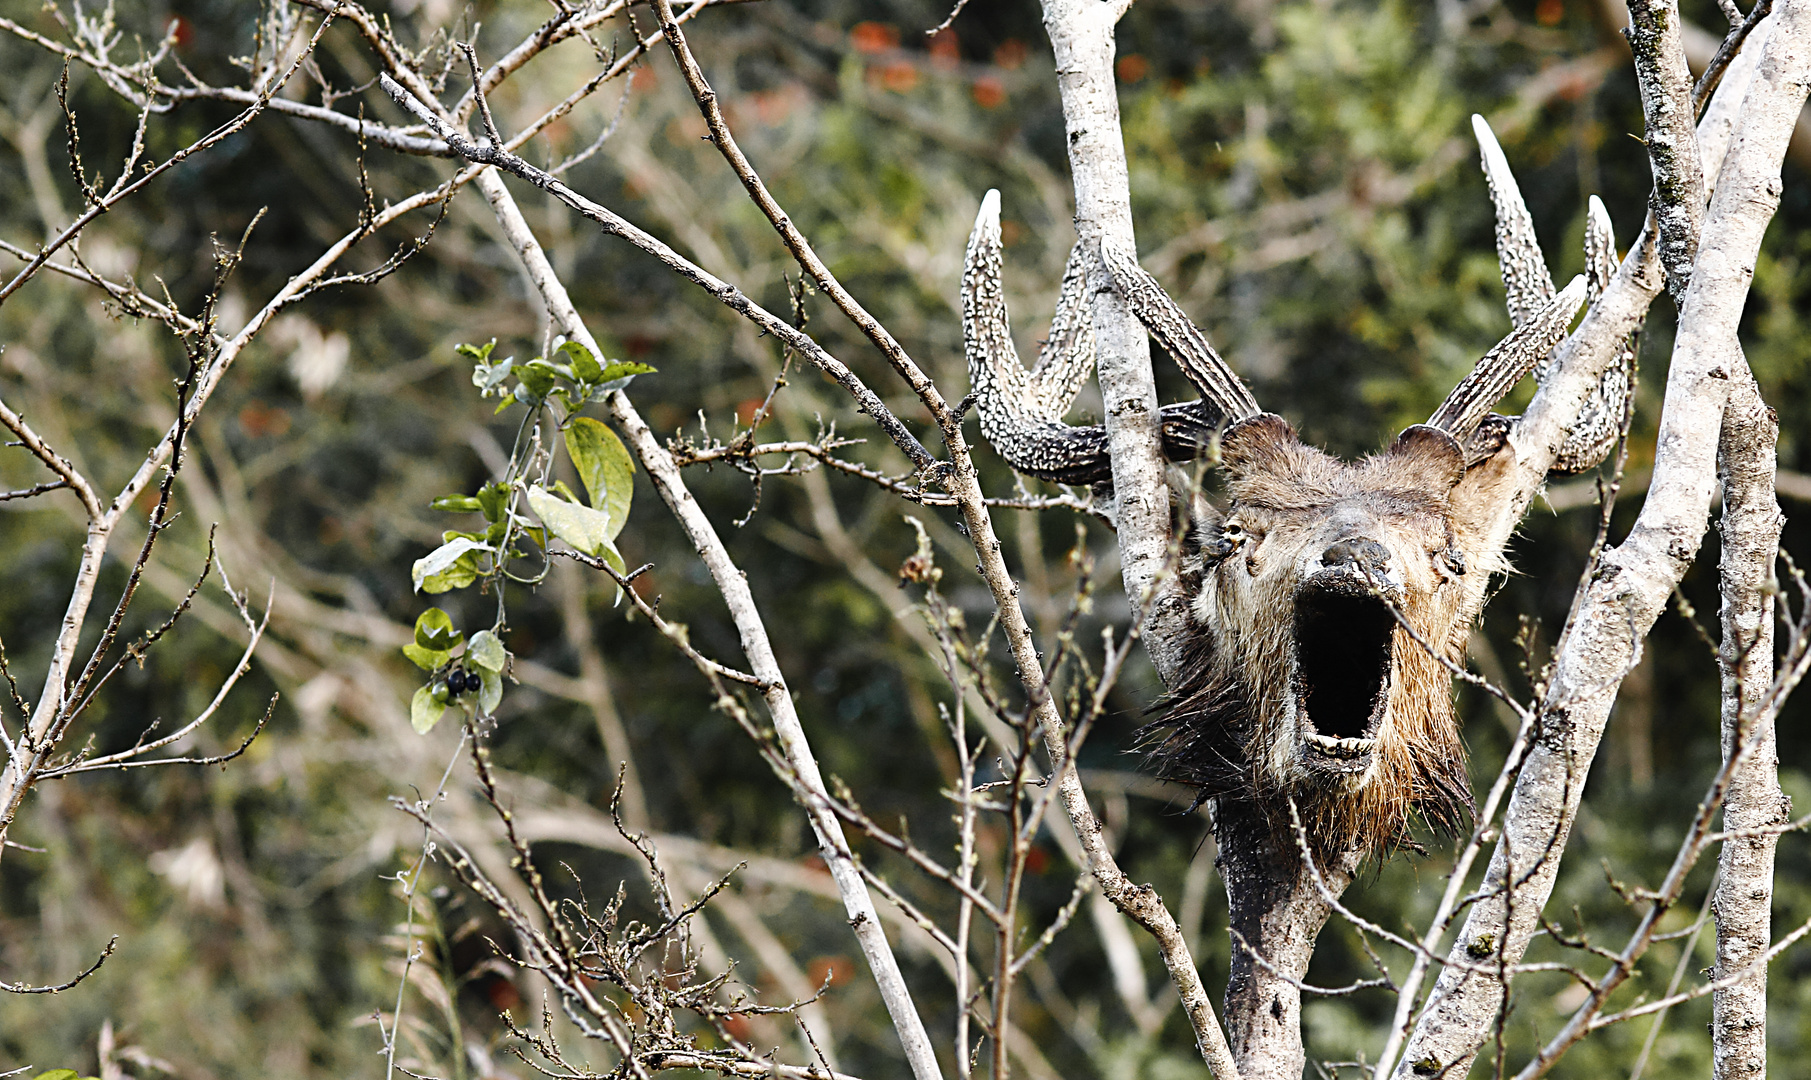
1022,411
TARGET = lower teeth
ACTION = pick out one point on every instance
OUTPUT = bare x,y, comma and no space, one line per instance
1340,747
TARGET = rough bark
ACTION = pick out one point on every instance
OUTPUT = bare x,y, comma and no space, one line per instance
1081,34
1636,577
1671,139
1753,804
1275,911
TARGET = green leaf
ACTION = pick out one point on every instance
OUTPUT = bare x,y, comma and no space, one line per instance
58,1074
424,711
480,353
434,630
537,377
462,573
584,365
493,499
491,693
452,565
425,659
606,468
587,530
486,651
463,504
486,376
508,400
622,369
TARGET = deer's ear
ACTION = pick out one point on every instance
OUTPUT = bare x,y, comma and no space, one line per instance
1256,443
1430,457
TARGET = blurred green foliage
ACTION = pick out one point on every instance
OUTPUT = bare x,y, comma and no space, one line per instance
1303,182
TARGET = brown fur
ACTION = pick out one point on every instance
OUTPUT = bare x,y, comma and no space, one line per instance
1291,635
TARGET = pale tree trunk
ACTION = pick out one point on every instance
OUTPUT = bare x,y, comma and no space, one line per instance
1275,909
1744,898
1708,373
1081,34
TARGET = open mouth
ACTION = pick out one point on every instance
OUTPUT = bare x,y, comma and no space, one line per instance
1343,635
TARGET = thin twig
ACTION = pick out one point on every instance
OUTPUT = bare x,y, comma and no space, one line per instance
494,154
26,988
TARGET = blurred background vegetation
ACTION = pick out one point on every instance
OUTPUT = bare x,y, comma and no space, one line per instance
1304,182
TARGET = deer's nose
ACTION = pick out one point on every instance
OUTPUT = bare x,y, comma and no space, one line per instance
1366,556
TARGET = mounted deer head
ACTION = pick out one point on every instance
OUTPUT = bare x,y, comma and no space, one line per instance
1333,595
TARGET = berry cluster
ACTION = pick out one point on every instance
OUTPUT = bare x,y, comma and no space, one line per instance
460,681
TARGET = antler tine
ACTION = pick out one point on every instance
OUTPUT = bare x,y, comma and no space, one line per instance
1503,366
994,373
1067,357
1019,418
1219,385
1021,411
1600,250
1526,282
1600,420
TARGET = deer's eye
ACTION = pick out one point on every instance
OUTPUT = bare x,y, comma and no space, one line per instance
1214,551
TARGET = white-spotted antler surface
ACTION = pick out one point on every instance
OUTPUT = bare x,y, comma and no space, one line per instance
1505,364
1528,287
1217,383
1022,411
1599,422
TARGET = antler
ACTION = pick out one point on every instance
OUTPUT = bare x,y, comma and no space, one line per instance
1219,385
1599,423
1022,411
1528,294
1526,284
1503,366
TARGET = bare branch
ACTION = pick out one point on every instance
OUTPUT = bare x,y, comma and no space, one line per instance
1672,139
67,475
1726,52
1638,575
34,491
733,585
789,233
101,205
25,988
727,1066
1754,804
491,154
